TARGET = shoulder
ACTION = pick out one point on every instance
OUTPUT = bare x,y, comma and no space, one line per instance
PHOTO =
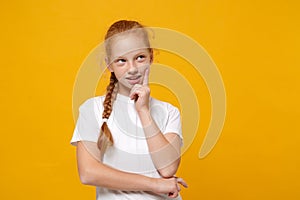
163,105
167,116
93,103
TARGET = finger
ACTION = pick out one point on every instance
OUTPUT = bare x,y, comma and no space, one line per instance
146,77
136,93
133,93
182,182
178,187
134,96
173,194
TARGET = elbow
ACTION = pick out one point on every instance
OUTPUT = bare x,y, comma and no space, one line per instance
84,180
85,177
169,171
166,174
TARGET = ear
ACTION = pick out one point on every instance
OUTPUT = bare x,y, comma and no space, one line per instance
108,65
151,56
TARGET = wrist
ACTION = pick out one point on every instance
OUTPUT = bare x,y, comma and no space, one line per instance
149,125
143,111
151,184
145,116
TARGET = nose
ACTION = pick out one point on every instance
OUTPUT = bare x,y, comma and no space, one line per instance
132,68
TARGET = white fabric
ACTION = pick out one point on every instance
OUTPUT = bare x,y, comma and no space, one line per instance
130,150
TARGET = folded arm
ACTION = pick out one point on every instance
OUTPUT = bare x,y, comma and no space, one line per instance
93,172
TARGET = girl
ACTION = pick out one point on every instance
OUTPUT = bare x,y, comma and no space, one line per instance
128,144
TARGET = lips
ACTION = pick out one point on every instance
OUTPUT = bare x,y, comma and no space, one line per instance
133,79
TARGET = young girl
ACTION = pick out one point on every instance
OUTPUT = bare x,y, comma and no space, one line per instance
128,144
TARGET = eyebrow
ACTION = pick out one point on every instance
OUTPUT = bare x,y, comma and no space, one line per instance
142,51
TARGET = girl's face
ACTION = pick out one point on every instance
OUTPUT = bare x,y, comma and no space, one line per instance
129,58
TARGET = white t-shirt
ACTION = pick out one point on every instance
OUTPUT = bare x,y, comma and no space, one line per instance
130,150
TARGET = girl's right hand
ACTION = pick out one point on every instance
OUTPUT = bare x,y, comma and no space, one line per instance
170,186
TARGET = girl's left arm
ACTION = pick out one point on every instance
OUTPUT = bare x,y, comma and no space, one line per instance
164,148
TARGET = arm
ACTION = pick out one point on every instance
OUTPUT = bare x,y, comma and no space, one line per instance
164,149
95,173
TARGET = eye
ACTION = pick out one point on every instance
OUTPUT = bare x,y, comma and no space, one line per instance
141,58
120,61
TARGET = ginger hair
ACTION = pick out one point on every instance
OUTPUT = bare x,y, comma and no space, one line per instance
105,139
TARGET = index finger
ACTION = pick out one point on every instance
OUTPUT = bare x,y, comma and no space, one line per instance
146,77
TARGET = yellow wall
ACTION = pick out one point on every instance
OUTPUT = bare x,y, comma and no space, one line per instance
255,45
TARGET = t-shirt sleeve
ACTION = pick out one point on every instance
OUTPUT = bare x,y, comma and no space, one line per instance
87,127
174,121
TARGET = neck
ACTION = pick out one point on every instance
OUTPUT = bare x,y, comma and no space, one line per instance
123,90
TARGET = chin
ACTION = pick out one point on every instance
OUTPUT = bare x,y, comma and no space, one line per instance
126,85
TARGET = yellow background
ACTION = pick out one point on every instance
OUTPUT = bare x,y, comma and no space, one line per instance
255,45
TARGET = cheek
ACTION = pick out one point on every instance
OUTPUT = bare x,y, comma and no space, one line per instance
143,67
120,73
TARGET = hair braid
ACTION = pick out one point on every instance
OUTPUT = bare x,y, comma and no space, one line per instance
105,139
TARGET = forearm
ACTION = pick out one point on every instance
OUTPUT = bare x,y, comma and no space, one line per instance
165,151
107,177
95,173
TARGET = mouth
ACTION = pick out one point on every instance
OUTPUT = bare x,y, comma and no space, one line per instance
133,79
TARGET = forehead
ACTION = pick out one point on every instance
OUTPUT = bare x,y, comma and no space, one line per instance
126,43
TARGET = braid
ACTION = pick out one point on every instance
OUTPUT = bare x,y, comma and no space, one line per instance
105,139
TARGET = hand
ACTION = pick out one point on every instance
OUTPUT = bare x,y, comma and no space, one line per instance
141,93
170,186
